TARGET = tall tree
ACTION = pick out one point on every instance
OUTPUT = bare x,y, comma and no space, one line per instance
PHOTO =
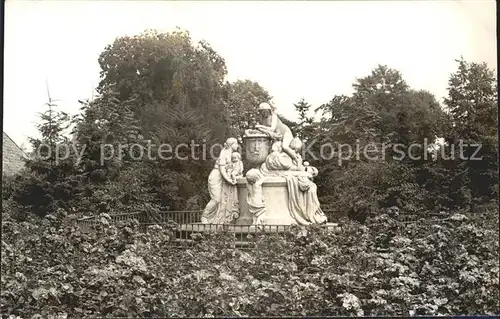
382,109
473,104
52,127
406,116
49,180
162,71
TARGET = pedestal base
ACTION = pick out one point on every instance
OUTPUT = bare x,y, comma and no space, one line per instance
275,194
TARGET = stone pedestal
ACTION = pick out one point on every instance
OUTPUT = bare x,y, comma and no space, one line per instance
276,200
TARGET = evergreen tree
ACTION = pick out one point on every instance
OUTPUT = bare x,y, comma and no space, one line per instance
49,181
473,105
52,127
305,120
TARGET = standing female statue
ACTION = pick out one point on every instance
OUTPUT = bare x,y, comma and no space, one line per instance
223,206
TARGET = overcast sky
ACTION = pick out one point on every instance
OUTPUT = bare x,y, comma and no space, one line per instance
307,49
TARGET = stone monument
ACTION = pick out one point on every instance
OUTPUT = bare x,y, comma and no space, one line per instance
277,190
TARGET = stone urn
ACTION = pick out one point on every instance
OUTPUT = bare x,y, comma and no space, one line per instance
257,146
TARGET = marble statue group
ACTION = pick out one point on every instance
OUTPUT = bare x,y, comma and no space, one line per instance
277,190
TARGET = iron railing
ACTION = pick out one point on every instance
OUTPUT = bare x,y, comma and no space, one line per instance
187,217
188,227
179,217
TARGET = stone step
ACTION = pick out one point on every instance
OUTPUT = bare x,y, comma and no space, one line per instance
235,244
234,228
198,227
241,233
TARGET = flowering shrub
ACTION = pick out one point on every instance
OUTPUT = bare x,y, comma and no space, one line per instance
385,268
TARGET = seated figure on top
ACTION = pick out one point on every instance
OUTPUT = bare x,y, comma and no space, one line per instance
272,125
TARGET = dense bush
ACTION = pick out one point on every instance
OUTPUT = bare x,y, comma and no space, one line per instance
363,189
383,268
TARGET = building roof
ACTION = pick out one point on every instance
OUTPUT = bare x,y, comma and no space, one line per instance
12,156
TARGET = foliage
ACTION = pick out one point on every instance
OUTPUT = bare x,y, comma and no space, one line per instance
160,66
387,268
473,105
176,93
104,133
243,98
160,71
49,180
346,122
305,119
371,185
383,112
51,127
